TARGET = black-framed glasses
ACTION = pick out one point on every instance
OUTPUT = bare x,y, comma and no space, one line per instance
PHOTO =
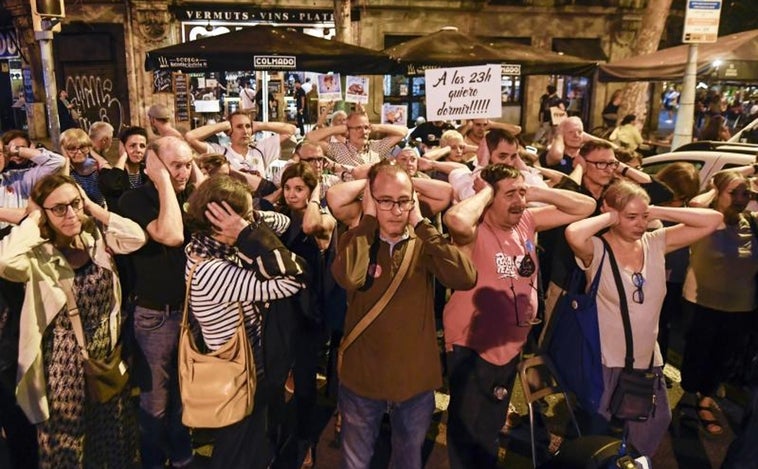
60,210
316,160
83,149
389,204
638,296
604,164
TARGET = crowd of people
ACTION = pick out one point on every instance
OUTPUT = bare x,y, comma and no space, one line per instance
349,257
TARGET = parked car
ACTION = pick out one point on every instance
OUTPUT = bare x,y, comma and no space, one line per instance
730,147
708,162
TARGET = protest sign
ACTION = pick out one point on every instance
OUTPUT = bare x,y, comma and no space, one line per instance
394,114
463,93
357,89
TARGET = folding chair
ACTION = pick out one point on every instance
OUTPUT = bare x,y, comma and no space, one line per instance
546,389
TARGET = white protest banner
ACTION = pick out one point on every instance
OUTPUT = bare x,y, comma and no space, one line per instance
463,92
357,89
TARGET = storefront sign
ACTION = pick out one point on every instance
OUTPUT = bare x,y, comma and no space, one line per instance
274,62
241,14
183,63
701,21
8,41
463,93
181,97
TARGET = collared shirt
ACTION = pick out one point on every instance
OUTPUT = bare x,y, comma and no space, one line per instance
373,152
16,184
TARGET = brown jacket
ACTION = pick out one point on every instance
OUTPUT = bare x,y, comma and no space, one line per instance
397,356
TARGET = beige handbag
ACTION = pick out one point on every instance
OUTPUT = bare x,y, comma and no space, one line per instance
217,388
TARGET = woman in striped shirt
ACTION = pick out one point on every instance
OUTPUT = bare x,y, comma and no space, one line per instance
237,260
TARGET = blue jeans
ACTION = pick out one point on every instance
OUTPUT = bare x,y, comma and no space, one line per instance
361,421
162,434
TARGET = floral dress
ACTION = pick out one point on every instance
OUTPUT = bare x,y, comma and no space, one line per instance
81,433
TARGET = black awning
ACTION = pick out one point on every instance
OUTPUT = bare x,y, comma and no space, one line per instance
588,49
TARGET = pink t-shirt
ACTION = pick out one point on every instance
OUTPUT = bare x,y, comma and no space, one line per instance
485,318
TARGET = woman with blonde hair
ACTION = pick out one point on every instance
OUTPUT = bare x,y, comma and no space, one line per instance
639,255
76,146
64,246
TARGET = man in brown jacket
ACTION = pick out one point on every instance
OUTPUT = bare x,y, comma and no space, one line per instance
394,365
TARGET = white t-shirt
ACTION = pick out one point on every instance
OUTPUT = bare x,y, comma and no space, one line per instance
258,157
247,99
462,180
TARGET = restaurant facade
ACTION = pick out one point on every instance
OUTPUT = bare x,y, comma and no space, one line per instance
100,50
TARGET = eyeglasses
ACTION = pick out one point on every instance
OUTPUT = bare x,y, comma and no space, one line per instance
389,204
313,160
359,127
83,149
60,210
638,296
604,164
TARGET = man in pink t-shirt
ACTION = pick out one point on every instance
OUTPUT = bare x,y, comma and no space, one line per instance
486,327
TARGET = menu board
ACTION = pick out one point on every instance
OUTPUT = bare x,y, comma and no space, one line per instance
181,97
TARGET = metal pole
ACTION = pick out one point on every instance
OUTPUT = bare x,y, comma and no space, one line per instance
45,39
685,116
264,95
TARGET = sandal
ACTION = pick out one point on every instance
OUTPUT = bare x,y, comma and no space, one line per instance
709,422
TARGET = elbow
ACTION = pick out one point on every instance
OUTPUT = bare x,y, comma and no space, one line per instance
170,239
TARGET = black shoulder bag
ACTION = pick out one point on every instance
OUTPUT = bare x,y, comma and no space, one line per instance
634,396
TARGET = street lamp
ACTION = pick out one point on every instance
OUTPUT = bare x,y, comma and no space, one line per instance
46,14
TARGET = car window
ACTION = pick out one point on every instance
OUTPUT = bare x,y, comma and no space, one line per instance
732,165
655,168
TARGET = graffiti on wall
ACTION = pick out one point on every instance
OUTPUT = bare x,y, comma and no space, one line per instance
95,99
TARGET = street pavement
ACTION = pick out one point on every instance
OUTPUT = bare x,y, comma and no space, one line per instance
684,446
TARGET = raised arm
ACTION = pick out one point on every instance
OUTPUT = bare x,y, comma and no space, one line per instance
284,130
344,202
324,133
563,207
463,218
579,234
693,224
510,128
392,133
315,221
168,228
196,137
556,149
436,194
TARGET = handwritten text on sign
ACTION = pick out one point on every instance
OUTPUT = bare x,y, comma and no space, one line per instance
463,93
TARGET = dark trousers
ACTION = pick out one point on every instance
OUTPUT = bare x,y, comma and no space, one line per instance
743,452
245,443
301,121
711,340
475,414
670,310
308,343
20,434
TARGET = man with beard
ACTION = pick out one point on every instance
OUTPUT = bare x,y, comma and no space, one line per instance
244,153
486,327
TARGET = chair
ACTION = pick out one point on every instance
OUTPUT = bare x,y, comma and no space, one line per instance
552,386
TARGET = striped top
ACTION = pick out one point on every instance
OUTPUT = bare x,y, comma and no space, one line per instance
223,282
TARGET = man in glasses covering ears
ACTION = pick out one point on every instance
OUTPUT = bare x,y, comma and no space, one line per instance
486,327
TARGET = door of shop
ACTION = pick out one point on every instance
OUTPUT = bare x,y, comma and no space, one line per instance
90,65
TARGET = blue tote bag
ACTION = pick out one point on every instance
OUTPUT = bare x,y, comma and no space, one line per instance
573,342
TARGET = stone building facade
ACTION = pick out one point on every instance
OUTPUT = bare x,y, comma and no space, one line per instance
100,50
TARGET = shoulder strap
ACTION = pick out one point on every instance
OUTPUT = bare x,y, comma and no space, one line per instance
596,281
623,306
374,312
753,225
73,314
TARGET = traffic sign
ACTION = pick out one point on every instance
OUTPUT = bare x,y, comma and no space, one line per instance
701,21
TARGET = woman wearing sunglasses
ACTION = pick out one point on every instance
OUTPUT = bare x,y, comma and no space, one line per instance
66,244
720,291
640,257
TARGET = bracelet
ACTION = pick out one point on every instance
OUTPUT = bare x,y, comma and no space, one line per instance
623,171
